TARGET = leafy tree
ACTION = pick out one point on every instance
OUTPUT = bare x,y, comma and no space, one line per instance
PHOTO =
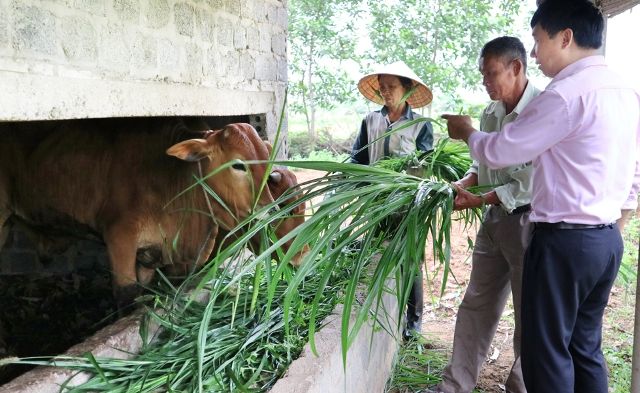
440,39
321,36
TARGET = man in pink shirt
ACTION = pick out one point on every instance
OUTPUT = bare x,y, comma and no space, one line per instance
583,136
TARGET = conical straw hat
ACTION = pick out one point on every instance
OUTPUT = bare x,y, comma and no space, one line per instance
369,87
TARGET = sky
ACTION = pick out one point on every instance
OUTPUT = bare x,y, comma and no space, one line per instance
621,49
621,53
621,46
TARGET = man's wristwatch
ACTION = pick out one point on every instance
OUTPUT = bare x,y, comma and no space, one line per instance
484,199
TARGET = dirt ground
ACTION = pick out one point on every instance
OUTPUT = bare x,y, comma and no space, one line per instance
440,311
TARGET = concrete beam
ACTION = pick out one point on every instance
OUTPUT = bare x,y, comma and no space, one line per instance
74,97
118,340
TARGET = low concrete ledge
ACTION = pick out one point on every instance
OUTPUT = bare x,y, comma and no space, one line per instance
369,359
368,366
119,340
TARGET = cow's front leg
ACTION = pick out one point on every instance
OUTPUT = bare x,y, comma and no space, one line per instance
4,351
121,242
4,227
5,205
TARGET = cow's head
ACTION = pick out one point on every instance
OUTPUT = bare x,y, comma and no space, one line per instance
281,181
238,186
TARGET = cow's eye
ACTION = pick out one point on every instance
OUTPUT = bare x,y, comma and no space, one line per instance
239,166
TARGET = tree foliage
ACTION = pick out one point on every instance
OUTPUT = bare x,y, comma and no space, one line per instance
439,39
321,39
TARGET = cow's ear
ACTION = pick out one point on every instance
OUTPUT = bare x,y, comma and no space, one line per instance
275,177
191,150
269,146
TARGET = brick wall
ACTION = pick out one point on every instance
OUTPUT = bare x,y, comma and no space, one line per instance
95,58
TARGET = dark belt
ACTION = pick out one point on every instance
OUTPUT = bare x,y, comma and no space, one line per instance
520,209
567,225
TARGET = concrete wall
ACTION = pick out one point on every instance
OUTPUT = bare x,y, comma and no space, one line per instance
369,359
62,59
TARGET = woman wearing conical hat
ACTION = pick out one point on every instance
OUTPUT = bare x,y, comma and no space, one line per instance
399,90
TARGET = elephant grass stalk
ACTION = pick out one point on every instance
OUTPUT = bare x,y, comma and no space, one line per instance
362,199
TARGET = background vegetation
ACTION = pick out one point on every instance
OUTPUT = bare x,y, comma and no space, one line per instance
333,43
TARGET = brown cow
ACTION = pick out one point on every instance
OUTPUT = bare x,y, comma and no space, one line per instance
124,180
280,181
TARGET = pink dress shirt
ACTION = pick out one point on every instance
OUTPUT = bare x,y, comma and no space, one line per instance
583,135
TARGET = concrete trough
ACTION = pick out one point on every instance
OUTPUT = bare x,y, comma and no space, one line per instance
119,340
369,359
368,367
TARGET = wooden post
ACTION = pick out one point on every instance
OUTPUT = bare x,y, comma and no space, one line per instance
635,359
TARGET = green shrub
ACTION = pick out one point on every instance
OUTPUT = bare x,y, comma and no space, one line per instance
301,146
321,155
619,362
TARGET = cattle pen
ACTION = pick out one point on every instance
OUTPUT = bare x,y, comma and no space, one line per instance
215,62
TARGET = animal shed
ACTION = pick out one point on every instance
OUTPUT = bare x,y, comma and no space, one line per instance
218,61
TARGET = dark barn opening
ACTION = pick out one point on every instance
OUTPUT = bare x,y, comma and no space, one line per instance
55,283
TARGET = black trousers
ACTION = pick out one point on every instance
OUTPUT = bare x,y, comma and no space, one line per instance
567,278
415,302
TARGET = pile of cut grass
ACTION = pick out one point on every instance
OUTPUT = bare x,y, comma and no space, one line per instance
217,344
418,365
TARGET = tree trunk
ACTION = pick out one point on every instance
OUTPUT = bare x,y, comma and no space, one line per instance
311,109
